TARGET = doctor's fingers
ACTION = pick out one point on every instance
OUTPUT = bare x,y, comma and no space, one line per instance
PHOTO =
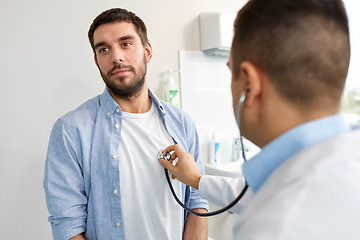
181,156
175,149
186,160
167,164
170,148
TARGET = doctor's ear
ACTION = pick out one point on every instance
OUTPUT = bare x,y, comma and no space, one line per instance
252,76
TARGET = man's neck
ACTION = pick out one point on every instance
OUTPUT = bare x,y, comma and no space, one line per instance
139,103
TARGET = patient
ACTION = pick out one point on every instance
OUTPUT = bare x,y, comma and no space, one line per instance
102,179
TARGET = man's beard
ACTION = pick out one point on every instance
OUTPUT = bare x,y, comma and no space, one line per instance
122,90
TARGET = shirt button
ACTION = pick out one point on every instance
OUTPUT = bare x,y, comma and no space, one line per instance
117,110
115,192
117,224
117,125
114,156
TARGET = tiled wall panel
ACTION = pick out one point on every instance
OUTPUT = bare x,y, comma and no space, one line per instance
206,96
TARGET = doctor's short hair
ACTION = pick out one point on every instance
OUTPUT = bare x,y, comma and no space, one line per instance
118,15
302,46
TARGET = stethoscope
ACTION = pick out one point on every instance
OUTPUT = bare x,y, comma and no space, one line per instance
167,156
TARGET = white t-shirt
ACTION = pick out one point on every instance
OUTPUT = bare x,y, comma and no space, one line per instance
148,208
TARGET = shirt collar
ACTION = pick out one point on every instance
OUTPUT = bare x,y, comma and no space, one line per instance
110,106
260,167
157,101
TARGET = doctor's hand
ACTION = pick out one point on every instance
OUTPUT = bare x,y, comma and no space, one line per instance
185,169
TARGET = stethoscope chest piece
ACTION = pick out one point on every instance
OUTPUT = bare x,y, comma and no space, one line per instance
165,155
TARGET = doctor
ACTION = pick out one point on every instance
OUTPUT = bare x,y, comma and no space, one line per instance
290,59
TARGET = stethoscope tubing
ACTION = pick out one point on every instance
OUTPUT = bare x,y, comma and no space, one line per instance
208,214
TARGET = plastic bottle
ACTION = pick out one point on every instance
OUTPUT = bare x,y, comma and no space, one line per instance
171,92
236,150
214,147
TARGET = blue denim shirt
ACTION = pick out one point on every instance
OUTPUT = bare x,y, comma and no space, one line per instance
261,166
82,167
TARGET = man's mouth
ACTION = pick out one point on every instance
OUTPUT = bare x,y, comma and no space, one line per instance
120,72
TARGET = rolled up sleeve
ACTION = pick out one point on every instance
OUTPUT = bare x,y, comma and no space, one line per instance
223,190
64,183
195,200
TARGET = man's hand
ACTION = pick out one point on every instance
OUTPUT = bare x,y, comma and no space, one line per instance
185,169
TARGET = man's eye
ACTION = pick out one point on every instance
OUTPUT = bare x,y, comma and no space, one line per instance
126,44
103,50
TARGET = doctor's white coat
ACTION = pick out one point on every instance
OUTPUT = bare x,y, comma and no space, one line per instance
313,195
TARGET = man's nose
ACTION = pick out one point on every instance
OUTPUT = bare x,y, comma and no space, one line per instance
118,56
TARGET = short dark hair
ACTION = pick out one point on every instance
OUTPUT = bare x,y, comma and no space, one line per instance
302,45
118,15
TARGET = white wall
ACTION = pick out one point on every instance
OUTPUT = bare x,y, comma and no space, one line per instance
47,69
206,96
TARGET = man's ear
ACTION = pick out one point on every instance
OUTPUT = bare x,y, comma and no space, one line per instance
148,52
253,80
